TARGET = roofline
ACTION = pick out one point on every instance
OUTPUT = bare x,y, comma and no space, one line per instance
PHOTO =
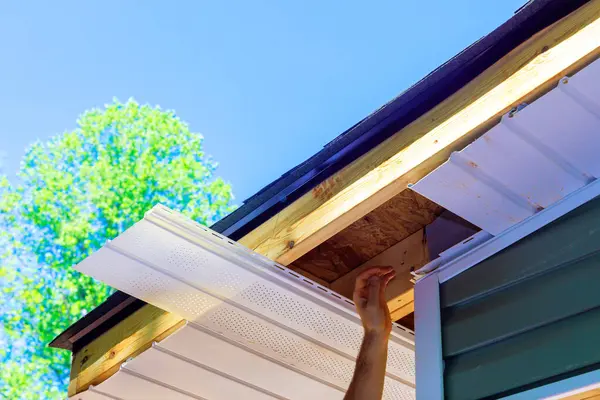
368,133
114,309
395,115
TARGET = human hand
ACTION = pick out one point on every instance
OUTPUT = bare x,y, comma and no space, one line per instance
369,297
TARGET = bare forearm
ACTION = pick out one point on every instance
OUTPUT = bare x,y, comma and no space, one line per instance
367,383
371,305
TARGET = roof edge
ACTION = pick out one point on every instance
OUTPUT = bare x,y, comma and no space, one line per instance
353,143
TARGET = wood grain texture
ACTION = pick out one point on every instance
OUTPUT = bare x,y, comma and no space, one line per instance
405,314
404,257
409,254
382,228
373,179
592,394
101,358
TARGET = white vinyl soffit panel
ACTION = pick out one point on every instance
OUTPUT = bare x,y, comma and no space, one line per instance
531,159
254,326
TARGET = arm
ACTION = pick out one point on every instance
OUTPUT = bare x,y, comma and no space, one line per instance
369,297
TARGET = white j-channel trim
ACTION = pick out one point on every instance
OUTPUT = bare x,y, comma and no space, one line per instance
428,334
453,252
561,389
517,232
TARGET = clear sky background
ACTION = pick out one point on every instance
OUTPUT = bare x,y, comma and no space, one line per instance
268,83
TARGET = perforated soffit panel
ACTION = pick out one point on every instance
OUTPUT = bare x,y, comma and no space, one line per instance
255,329
530,160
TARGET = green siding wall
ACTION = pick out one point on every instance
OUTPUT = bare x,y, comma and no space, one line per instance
530,313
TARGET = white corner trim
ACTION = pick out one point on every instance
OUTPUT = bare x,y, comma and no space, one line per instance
428,340
517,232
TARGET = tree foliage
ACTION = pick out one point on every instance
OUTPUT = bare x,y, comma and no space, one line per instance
75,192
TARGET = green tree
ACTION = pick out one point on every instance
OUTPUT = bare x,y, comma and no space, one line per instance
74,193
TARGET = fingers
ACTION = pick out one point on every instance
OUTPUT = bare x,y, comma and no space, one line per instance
385,279
363,278
377,285
388,277
375,289
370,285
381,285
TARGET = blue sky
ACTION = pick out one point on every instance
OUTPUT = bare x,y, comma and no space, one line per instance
268,83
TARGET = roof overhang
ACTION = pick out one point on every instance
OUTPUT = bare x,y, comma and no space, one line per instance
326,193
534,157
242,306
539,163
517,74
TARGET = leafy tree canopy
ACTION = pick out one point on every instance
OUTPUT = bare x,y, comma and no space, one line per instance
74,193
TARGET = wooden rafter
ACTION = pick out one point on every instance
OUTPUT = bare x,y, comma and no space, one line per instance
420,147
592,394
409,254
373,179
369,236
100,359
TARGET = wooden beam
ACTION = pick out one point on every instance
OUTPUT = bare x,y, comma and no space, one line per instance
369,236
404,257
102,357
593,394
385,171
404,310
532,68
